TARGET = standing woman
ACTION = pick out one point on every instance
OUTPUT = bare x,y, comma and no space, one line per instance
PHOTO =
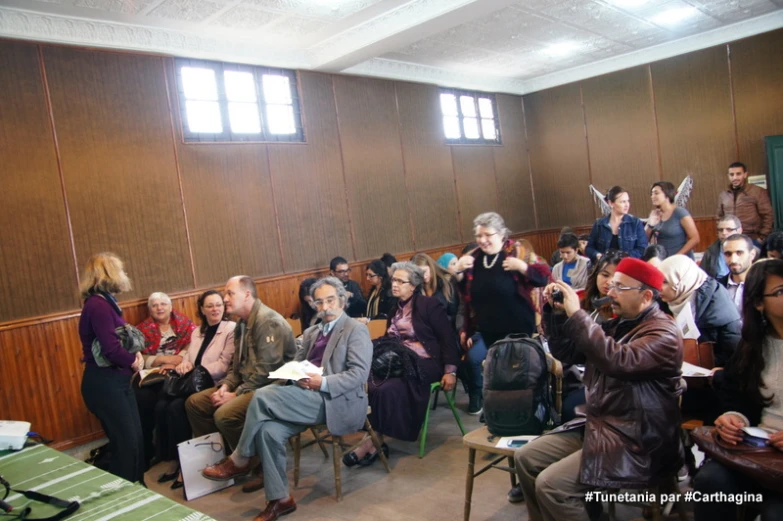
751,391
106,390
496,290
671,225
380,302
617,231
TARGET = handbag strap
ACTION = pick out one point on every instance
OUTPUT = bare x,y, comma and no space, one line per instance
204,346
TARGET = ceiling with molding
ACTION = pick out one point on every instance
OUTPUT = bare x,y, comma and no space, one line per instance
495,45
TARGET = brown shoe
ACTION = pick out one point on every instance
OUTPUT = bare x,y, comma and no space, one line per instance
276,508
224,470
257,483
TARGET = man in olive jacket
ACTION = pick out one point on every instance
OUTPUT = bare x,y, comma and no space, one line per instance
630,437
263,341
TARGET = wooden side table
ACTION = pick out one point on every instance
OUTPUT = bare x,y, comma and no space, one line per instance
482,440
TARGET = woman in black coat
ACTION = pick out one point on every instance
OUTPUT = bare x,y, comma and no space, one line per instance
422,330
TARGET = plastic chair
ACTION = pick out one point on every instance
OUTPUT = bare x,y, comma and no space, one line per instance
434,390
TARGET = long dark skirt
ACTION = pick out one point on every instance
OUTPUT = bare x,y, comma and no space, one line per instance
399,405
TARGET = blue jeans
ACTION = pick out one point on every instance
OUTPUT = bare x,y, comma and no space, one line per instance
474,360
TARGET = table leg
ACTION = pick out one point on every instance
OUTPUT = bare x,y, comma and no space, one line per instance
469,482
513,473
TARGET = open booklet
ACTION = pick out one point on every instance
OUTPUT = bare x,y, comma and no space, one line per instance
694,370
296,370
150,376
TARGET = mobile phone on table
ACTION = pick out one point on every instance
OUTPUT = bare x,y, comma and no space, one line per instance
513,444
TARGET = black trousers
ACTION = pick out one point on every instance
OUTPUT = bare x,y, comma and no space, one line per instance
108,395
171,427
714,477
146,399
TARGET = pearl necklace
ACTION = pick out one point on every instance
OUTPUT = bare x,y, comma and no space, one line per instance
489,266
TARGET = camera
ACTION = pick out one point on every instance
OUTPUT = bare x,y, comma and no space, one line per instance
557,296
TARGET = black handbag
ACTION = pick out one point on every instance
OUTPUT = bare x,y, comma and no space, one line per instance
194,381
183,385
391,359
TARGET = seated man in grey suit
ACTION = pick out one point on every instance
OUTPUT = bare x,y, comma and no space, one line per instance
340,345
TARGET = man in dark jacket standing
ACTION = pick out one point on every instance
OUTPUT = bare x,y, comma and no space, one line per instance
630,437
748,202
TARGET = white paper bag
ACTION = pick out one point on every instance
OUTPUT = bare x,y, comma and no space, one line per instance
194,456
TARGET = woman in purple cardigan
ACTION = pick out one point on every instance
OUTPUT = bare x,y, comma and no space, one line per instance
106,390
421,325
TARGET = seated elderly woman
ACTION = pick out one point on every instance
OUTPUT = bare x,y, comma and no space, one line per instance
166,333
686,288
751,392
212,347
426,340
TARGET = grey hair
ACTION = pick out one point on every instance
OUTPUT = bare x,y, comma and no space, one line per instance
334,282
730,217
415,273
492,220
158,295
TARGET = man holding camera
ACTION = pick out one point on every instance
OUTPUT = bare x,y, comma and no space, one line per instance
629,438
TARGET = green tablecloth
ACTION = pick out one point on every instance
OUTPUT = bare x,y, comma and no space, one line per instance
103,496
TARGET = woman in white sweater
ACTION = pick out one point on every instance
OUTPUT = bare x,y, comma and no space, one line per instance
752,391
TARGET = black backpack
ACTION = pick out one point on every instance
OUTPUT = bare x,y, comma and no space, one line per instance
517,391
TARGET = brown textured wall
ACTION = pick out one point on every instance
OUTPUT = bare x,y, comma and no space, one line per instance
621,134
34,233
695,122
112,119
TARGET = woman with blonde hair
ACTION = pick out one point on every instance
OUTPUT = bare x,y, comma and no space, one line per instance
438,284
106,390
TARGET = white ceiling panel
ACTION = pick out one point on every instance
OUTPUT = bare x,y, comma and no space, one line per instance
505,45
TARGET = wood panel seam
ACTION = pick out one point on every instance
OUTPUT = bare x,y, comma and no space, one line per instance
404,167
342,166
529,163
655,123
50,114
274,208
733,103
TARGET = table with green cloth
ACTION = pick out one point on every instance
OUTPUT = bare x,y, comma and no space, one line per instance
102,496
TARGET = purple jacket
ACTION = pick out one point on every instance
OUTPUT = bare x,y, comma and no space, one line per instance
99,320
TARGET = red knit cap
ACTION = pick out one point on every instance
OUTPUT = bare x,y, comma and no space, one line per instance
642,271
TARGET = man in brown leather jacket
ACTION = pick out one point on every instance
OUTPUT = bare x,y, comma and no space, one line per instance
748,202
630,437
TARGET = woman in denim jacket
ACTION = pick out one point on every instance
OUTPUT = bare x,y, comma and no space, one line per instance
617,231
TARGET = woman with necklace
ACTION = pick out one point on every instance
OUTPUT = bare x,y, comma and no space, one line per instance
671,225
496,290
617,231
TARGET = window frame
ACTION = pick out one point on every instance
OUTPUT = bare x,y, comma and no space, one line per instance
462,140
228,136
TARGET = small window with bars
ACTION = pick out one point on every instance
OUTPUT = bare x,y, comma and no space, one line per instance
469,117
232,102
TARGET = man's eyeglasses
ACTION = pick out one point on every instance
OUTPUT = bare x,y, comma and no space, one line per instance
328,300
618,288
727,230
775,294
343,272
400,281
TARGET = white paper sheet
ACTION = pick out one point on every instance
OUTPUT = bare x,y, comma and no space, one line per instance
296,370
694,370
687,323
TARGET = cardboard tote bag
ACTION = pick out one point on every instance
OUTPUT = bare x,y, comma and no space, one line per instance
194,456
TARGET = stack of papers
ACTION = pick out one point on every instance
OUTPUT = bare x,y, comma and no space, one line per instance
296,370
694,370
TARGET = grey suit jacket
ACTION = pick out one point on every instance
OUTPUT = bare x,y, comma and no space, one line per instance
346,364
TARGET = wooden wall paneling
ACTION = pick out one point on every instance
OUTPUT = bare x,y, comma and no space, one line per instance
34,234
708,232
428,168
512,169
621,134
228,197
477,188
558,157
758,100
309,186
112,120
695,123
372,161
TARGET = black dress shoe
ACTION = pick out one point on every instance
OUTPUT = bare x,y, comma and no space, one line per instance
370,458
350,459
163,478
177,484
